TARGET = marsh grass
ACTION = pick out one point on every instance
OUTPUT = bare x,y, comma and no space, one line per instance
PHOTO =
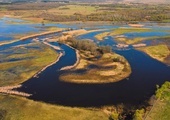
32,61
158,52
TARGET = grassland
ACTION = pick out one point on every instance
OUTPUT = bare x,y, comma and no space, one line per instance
161,108
123,30
110,67
16,108
25,63
158,52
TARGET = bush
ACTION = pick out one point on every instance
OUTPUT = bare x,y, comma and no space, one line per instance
139,114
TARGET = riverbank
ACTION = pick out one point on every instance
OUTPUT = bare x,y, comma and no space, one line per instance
58,58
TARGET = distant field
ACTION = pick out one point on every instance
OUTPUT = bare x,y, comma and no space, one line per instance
73,9
128,13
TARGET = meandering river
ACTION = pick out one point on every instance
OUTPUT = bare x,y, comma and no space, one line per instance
141,84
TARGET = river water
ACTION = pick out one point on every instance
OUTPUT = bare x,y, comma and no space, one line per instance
141,84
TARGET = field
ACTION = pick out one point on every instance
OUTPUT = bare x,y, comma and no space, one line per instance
115,13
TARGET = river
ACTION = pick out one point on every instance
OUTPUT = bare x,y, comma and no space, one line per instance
141,84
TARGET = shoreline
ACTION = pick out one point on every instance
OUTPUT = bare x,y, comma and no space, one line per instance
39,34
58,58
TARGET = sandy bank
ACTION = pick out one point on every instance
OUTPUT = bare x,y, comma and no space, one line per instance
9,90
136,25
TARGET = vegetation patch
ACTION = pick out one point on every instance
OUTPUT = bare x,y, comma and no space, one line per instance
161,108
101,35
158,52
22,62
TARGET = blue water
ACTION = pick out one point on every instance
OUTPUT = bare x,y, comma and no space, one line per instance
146,74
